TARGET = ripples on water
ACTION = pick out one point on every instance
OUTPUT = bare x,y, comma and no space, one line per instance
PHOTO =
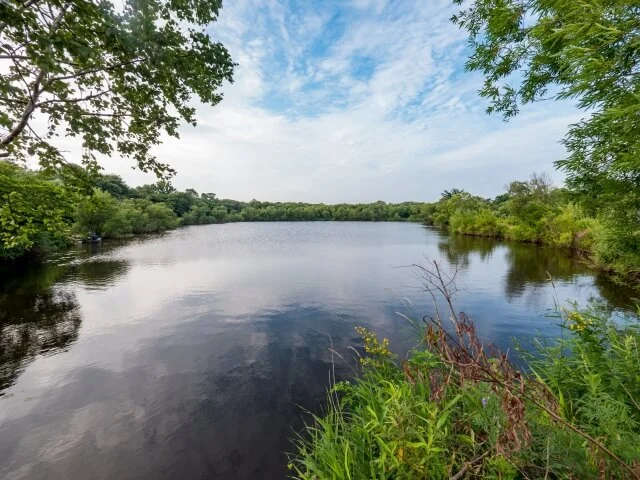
193,353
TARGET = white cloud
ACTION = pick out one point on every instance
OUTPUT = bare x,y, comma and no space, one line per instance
302,122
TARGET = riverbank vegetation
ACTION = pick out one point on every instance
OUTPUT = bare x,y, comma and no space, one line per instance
43,211
535,211
455,408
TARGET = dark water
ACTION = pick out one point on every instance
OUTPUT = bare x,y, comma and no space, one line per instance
191,355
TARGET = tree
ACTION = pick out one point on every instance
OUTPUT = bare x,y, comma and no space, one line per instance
93,212
117,78
181,202
113,184
447,194
587,50
34,213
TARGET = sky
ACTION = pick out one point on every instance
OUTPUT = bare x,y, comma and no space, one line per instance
353,101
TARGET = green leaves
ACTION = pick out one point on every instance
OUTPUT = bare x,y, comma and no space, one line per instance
583,50
117,79
33,211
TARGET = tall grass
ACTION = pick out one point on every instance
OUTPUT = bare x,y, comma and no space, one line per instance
455,408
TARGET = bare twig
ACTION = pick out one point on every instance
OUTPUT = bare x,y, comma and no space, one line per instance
468,465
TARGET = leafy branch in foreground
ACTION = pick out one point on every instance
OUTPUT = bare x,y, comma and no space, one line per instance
117,78
455,409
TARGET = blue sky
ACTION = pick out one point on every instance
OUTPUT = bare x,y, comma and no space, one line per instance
354,100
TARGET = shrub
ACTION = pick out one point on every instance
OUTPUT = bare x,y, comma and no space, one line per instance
160,217
104,215
118,225
566,227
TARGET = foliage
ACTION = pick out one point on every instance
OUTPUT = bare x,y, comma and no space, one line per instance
102,214
587,50
530,211
194,209
618,248
94,211
117,78
35,214
595,376
535,211
113,185
452,410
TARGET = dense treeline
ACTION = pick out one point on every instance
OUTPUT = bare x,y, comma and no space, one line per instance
41,211
191,208
535,211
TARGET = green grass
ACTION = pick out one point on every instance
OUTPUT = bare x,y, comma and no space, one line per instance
450,410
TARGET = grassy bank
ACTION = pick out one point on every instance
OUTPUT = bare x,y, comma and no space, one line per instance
453,409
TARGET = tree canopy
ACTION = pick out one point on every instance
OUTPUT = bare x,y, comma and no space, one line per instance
587,50
115,77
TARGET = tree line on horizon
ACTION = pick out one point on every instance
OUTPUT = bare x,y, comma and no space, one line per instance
60,207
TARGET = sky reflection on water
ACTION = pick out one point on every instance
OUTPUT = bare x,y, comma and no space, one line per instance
193,353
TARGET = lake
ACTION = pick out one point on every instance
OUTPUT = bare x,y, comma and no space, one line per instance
193,354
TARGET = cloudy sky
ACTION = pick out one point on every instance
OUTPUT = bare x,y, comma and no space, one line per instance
354,100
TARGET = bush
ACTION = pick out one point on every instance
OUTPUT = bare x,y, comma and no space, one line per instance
94,211
567,227
119,225
522,233
483,222
617,248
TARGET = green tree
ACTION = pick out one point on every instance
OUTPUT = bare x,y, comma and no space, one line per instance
34,213
116,77
586,50
113,184
94,211
447,194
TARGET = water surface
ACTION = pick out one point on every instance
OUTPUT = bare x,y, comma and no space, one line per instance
192,354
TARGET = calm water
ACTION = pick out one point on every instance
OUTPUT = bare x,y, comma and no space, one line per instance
192,354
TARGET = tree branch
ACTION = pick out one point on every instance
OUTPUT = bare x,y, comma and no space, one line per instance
468,465
35,91
14,57
72,100
25,6
89,71
31,106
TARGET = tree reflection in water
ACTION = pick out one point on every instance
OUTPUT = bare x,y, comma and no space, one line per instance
39,315
529,266
458,249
